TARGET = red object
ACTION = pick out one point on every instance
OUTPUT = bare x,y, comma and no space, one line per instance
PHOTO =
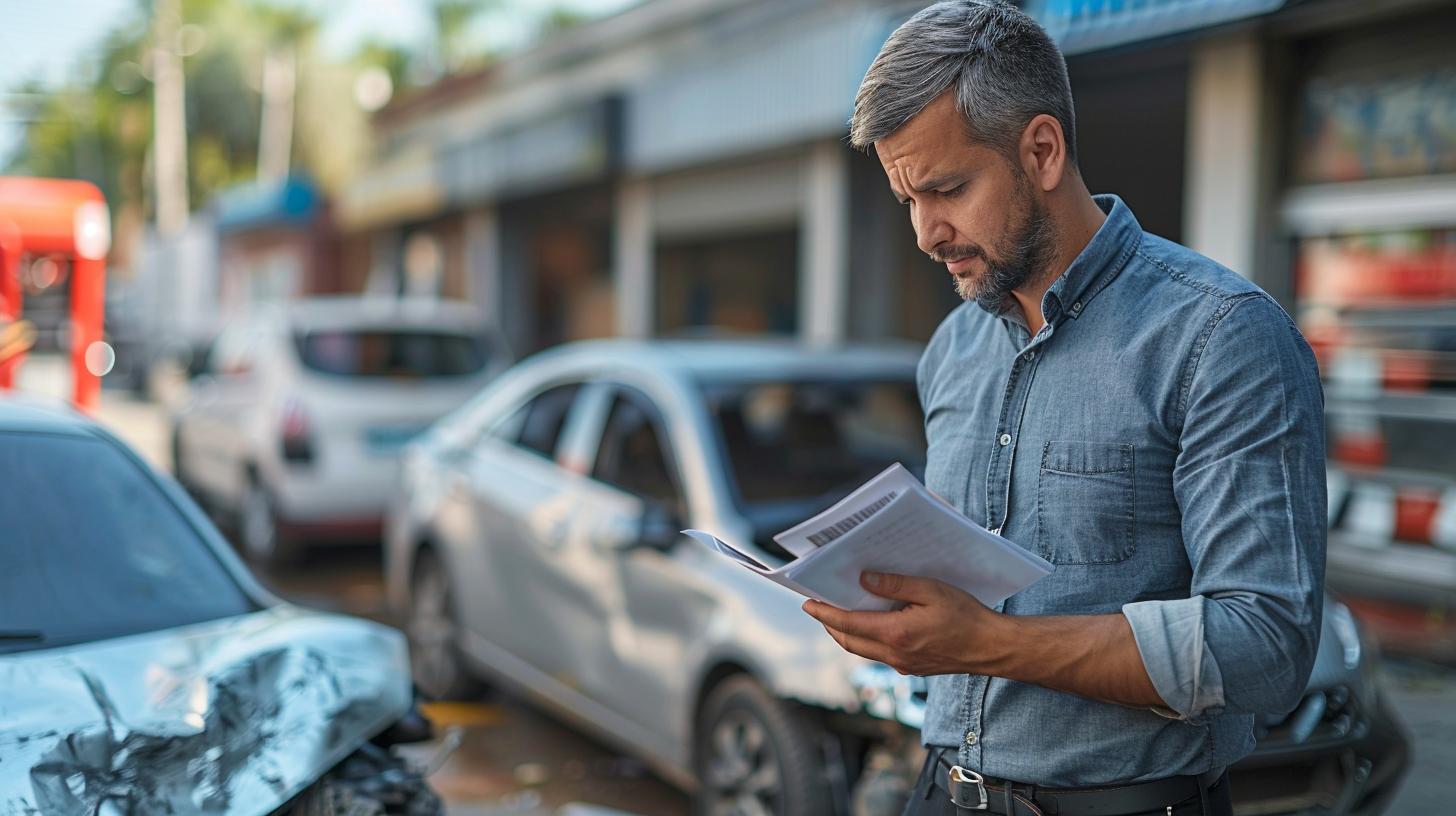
10,292
1351,273
295,420
1406,371
1415,514
1359,449
1325,339
57,217
1407,628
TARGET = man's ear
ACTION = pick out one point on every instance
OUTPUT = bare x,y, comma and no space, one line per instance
1043,152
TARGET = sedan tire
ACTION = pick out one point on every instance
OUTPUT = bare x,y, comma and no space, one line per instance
756,755
434,635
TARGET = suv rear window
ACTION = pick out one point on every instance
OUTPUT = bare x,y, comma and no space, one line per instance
92,548
391,354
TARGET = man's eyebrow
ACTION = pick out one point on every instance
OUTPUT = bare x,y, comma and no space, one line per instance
936,182
929,185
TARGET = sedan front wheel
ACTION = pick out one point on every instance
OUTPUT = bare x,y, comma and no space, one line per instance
435,661
757,755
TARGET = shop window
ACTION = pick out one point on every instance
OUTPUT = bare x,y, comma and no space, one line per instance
570,266
745,284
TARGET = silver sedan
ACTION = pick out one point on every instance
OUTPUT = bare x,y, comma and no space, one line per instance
535,545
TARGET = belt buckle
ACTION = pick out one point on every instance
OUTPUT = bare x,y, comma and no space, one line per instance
960,780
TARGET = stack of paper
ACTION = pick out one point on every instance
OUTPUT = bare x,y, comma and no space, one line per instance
892,524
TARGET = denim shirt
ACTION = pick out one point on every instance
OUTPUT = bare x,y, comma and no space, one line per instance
1161,441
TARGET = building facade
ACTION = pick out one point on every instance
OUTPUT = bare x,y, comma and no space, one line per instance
674,169
681,167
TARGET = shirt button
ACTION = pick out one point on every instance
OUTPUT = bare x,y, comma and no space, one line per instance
1004,440
971,738
1077,307
1028,356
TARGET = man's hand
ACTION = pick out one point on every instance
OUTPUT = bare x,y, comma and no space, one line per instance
936,632
942,630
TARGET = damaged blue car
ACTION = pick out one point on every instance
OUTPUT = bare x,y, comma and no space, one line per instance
144,671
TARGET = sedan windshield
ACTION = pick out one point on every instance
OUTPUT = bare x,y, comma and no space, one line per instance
395,354
91,548
794,448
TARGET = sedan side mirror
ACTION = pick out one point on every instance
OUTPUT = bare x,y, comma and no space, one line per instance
659,527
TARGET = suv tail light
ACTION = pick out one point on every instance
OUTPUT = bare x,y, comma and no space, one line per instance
294,430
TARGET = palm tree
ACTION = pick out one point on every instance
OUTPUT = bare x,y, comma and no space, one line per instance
452,25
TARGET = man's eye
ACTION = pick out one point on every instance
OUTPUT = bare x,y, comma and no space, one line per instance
954,191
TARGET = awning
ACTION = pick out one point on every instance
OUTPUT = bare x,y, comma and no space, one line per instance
291,202
1080,26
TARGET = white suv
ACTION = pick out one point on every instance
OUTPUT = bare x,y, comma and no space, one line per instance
294,427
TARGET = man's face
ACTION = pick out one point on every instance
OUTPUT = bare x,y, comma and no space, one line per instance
971,208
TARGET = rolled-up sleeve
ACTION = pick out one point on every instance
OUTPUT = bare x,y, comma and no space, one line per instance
1250,484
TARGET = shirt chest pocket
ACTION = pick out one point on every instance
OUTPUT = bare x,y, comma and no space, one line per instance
1085,494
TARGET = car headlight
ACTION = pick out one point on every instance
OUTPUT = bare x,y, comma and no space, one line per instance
1361,655
888,695
1348,631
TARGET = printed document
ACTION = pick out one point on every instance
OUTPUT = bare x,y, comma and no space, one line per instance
892,523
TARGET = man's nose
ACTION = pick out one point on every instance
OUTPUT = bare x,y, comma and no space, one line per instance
930,230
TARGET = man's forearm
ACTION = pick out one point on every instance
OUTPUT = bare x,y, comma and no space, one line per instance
942,630
1092,656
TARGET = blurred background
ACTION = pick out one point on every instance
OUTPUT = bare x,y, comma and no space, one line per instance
666,168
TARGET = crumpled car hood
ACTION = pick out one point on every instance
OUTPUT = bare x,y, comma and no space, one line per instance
232,717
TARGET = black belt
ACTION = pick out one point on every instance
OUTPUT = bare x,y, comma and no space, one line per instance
972,791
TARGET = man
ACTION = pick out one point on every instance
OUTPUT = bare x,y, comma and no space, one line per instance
1145,419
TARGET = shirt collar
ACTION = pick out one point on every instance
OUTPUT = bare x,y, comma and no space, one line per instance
1096,265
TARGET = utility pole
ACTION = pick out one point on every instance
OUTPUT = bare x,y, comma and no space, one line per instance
275,131
169,126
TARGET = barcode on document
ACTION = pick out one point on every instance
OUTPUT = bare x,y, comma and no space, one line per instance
844,525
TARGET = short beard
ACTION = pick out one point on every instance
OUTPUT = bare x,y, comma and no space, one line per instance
1026,256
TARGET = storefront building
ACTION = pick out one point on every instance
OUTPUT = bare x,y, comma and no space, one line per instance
1367,242
275,242
681,169
677,169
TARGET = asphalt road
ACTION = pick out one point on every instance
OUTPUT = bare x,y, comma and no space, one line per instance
514,754
1424,694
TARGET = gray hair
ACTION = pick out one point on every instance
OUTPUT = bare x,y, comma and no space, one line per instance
1003,66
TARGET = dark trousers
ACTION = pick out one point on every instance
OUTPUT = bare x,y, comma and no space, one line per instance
931,799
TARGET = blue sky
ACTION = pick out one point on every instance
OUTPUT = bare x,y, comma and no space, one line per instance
47,40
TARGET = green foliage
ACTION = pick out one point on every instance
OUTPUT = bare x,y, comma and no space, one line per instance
559,19
453,19
98,126
395,60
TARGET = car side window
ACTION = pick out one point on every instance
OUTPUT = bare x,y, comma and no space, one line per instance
538,424
635,455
